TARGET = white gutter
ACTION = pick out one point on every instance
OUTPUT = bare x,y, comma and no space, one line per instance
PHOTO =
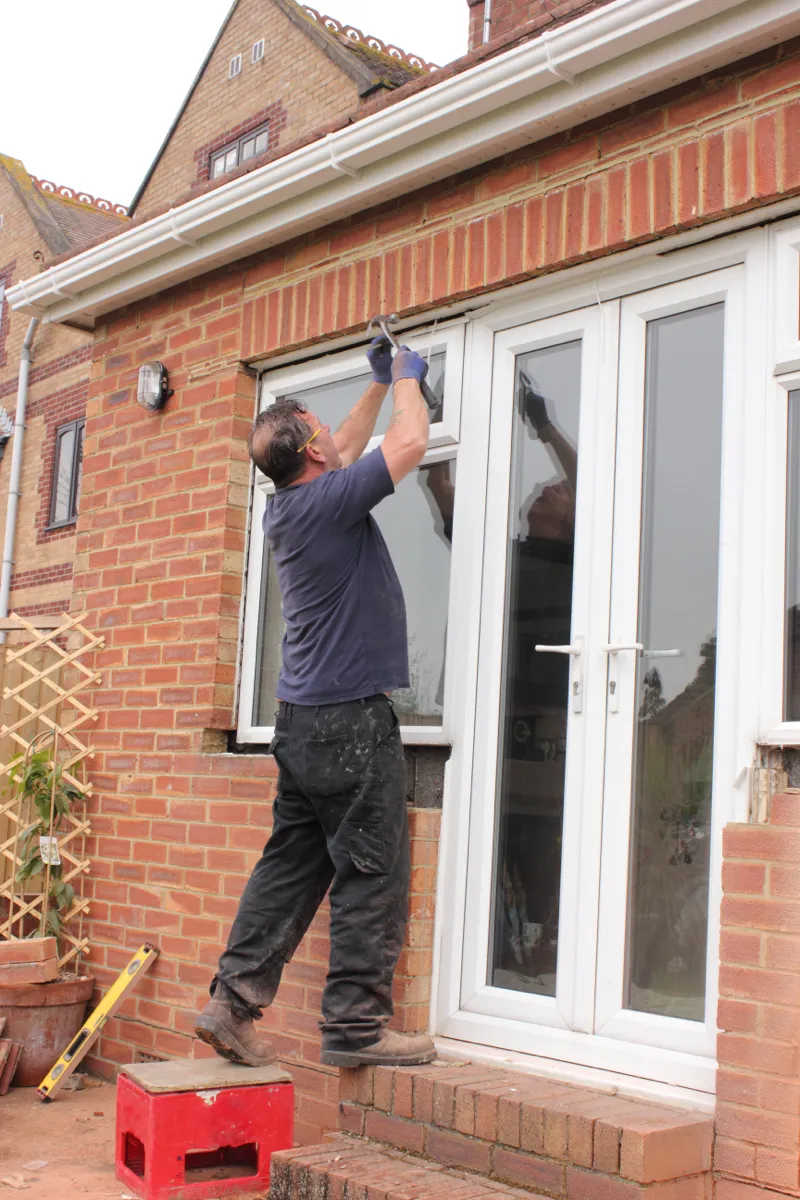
601,61
15,480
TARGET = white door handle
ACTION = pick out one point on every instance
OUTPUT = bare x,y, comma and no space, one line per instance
575,651
612,651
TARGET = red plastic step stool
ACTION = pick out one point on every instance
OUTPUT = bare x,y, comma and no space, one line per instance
191,1130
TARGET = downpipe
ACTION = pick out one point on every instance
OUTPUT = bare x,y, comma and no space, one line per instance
487,20
17,447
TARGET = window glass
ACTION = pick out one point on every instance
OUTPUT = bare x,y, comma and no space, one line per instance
231,158
248,149
219,167
792,686
262,141
417,523
78,469
331,402
62,482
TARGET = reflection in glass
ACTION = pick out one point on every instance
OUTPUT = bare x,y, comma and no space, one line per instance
792,697
331,402
668,917
533,721
270,638
62,505
417,523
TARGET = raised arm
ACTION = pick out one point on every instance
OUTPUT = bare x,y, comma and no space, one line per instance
358,426
407,437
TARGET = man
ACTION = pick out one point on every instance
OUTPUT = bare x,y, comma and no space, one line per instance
340,814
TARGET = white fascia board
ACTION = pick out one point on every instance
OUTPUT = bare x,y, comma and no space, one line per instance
596,63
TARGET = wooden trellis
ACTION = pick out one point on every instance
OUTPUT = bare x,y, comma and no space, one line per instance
42,706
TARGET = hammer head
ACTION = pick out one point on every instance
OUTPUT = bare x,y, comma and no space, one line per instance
384,323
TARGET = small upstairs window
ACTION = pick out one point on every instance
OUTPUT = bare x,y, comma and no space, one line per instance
232,155
236,66
258,50
66,491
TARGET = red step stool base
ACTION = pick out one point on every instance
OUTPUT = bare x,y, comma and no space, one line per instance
192,1130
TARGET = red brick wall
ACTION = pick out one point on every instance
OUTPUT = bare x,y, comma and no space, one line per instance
758,1109
162,528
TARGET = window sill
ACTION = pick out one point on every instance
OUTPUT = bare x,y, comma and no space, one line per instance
61,525
787,734
411,736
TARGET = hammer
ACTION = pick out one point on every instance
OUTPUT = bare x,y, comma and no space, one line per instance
384,323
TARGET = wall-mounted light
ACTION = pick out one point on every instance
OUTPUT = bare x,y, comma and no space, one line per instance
153,391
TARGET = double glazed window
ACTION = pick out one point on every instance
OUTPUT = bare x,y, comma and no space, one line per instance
417,522
232,155
66,489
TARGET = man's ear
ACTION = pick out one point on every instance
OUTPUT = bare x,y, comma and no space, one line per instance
316,455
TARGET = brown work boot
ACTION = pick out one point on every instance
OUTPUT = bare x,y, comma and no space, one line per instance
392,1049
234,1038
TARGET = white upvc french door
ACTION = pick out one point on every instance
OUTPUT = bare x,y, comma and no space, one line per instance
603,760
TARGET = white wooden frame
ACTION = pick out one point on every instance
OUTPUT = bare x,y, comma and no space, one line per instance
443,444
572,1052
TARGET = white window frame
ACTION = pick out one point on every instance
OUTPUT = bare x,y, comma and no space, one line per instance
784,372
443,444
235,67
257,53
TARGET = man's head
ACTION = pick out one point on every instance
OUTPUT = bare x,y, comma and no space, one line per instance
290,445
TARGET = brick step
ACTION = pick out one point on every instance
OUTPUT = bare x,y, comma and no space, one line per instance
351,1169
557,1139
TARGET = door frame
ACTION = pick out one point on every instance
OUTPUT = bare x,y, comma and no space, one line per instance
566,1052
597,329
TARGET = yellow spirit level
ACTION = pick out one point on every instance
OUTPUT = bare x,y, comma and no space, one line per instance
51,1085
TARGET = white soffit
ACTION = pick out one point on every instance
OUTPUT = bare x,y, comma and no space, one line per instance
596,63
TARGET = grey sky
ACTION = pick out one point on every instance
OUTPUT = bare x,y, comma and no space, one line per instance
109,78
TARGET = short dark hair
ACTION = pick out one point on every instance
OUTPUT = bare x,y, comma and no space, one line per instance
276,439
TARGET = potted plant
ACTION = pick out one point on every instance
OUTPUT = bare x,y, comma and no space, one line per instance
43,1017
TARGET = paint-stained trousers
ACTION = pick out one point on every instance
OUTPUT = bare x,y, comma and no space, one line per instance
340,822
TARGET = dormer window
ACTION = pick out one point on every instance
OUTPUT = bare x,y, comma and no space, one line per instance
250,146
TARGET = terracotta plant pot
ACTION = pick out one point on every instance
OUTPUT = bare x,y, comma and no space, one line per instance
43,1018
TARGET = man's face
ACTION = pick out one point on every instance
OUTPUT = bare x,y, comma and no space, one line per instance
323,448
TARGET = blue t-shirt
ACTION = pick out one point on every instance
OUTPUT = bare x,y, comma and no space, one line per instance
342,601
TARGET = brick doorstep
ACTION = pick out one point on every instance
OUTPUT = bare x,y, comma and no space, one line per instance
359,1170
548,1137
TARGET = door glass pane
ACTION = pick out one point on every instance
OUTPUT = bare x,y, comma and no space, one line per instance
674,722
417,523
533,717
792,698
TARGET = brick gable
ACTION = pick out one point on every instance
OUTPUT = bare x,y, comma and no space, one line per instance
295,76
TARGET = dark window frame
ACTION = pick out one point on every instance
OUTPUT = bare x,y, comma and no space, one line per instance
75,473
237,145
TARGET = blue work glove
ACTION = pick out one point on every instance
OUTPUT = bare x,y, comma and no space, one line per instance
380,359
408,365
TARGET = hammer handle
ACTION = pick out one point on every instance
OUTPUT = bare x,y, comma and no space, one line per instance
428,394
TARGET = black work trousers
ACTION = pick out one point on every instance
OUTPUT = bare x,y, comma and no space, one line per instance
340,822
